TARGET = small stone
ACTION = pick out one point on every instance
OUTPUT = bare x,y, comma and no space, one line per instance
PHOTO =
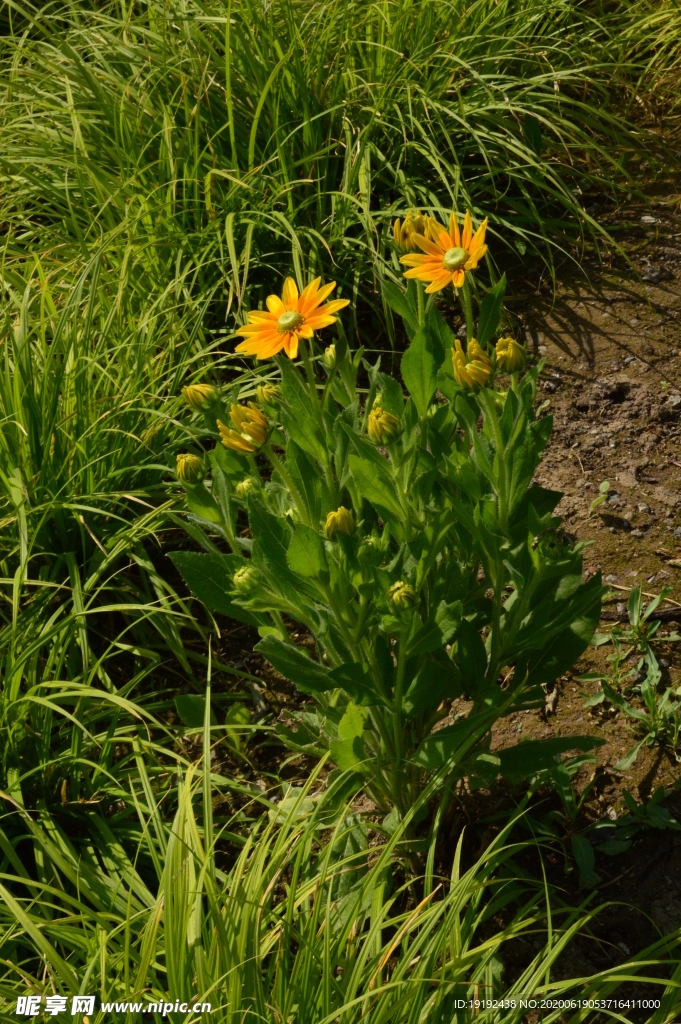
653,275
671,407
633,321
637,533
648,219
611,579
663,663
543,350
461,333
644,508
621,609
677,532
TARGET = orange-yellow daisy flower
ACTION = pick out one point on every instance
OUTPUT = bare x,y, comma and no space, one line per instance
289,318
476,369
448,254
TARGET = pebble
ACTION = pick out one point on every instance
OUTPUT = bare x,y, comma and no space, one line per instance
677,532
644,508
633,321
653,275
648,219
637,533
611,579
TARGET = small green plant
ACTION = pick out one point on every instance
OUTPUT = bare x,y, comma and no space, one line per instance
603,491
404,533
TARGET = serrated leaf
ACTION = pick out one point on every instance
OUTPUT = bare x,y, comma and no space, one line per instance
296,665
375,487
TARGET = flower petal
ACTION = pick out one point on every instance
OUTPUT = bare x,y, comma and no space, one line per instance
291,345
458,278
467,231
290,294
479,237
440,282
275,305
308,293
454,231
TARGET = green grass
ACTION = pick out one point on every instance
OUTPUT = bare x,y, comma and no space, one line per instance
222,145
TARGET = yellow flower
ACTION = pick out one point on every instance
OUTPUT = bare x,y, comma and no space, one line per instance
477,371
382,427
340,521
400,596
245,579
330,357
448,254
251,429
199,396
245,486
266,393
189,468
403,233
510,355
288,318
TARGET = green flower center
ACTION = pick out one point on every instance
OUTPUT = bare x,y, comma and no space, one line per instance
290,321
455,258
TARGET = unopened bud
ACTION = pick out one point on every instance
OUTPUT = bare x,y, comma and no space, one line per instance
189,468
199,396
245,486
400,596
245,579
266,393
382,427
340,521
510,355
330,357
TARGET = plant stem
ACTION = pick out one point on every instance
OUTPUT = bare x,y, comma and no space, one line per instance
421,303
279,466
467,308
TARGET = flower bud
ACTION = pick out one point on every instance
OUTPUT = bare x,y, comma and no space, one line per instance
340,521
189,468
510,355
267,393
383,427
400,596
476,370
250,432
245,579
403,232
330,357
245,486
199,396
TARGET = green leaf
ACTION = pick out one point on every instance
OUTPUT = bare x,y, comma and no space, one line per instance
295,665
532,132
444,744
393,399
583,852
271,537
209,577
419,370
377,488
490,311
348,750
191,708
436,680
356,680
613,847
398,301
625,763
531,756
472,657
306,554
203,504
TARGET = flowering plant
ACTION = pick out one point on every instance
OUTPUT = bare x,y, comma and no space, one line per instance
404,532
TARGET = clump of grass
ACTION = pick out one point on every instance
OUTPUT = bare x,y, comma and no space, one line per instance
236,143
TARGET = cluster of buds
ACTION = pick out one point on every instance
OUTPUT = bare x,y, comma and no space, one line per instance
400,596
472,367
382,426
250,429
200,396
403,231
189,468
340,521
510,355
